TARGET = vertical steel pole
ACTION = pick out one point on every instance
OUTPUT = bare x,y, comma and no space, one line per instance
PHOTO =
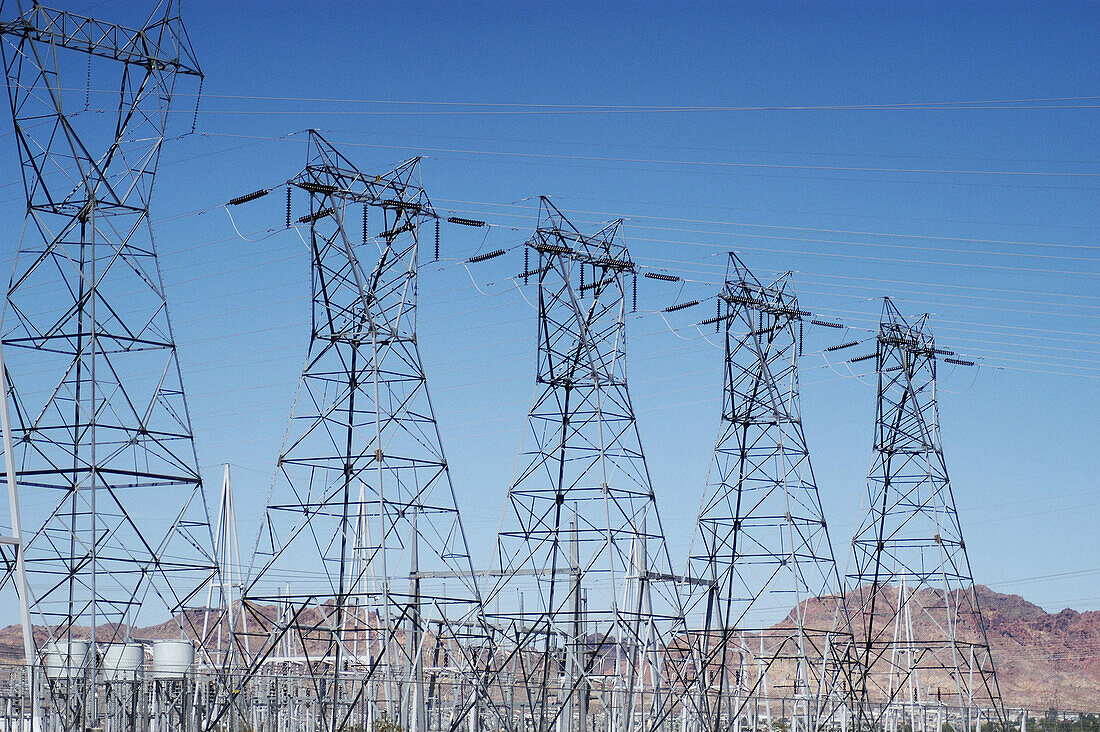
16,525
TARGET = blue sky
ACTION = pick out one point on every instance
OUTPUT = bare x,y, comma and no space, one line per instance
976,201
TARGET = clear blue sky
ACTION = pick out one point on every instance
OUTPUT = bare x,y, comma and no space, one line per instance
984,214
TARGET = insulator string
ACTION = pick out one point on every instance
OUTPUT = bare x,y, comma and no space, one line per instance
198,97
248,197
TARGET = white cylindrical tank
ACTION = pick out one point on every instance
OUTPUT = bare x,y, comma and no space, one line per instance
172,659
122,661
67,659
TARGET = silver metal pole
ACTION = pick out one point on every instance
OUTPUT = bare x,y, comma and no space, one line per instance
16,525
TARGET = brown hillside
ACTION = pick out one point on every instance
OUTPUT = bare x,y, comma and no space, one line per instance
1043,660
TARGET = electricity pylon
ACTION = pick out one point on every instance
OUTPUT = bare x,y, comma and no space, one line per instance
771,622
115,520
919,627
588,636
362,523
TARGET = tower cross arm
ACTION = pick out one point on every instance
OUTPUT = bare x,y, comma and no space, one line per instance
159,45
387,191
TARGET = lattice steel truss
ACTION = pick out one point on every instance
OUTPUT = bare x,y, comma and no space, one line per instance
115,519
762,543
362,533
585,601
919,626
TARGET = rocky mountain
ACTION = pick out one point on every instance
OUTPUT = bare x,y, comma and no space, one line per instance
1043,660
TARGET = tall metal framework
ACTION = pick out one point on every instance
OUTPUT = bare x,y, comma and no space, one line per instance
361,571
116,529
762,543
919,627
585,603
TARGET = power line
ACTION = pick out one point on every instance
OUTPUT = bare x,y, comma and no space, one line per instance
743,224
495,154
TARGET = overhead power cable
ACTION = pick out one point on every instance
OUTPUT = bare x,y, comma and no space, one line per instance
710,167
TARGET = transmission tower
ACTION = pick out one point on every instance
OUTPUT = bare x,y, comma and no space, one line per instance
587,637
114,516
761,542
362,523
919,628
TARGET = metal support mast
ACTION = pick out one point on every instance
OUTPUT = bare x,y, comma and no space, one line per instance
586,602
116,528
227,553
362,524
770,621
919,627
11,547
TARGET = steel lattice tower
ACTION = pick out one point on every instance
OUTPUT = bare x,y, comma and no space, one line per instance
362,526
919,629
115,519
588,635
762,544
